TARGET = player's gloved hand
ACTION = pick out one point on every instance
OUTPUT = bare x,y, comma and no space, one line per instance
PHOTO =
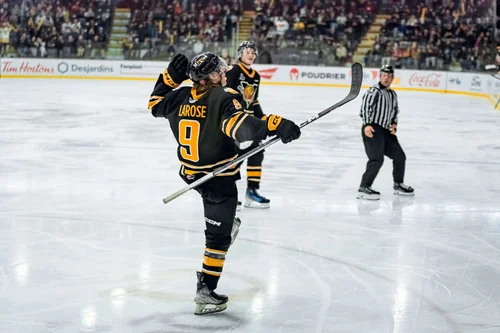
177,68
285,129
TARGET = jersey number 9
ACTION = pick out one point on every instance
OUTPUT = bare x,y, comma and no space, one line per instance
189,134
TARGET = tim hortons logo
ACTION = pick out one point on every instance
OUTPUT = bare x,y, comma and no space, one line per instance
268,73
420,80
26,67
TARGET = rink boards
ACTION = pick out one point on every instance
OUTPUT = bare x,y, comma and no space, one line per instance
471,84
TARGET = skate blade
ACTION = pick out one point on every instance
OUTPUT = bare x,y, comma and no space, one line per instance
364,196
404,194
257,205
203,309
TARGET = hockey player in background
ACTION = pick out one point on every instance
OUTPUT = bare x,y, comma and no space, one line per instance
243,78
206,119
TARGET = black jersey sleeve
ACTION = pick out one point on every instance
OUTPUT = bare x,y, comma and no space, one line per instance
238,124
164,85
257,109
233,77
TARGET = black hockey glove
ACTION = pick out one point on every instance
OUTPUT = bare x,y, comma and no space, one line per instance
177,69
285,129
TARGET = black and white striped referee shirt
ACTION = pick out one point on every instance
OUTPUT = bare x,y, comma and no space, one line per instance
379,106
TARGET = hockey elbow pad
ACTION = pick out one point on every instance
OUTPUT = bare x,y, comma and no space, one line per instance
285,129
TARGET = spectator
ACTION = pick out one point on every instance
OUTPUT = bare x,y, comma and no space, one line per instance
446,35
5,30
226,57
54,28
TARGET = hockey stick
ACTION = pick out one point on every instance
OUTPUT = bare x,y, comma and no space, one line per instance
356,81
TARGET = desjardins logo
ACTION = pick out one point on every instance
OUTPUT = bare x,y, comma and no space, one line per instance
62,67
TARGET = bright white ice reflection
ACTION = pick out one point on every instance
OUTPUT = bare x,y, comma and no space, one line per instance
21,265
118,299
89,317
144,274
272,282
257,304
400,307
22,273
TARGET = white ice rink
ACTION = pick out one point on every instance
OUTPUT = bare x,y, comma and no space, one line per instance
86,245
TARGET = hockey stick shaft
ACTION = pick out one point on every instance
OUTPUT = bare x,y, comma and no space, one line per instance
356,81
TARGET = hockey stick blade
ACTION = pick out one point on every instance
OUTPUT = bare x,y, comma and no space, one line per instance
356,82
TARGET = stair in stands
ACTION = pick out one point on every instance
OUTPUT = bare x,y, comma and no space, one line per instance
370,38
246,25
119,32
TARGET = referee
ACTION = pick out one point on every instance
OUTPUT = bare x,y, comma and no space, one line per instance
379,111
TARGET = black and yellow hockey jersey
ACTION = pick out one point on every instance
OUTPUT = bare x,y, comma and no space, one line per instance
247,82
206,125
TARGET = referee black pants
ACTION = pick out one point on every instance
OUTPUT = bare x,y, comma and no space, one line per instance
382,143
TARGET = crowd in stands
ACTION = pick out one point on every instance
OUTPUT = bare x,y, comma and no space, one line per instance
54,28
325,32
424,34
164,27
456,35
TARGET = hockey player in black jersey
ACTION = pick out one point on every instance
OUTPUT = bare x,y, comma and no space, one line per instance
206,119
246,80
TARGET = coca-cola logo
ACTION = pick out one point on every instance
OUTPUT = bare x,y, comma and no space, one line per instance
425,80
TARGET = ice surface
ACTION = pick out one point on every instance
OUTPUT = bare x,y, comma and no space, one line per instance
86,245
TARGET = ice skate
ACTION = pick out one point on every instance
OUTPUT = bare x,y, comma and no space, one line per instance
255,200
367,193
402,189
208,301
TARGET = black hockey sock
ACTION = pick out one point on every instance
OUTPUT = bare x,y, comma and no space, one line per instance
213,263
253,176
253,185
211,281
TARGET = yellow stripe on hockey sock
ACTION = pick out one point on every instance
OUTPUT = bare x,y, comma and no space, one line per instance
254,173
213,262
211,272
215,251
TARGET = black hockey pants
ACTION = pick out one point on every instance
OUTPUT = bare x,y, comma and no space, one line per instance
382,143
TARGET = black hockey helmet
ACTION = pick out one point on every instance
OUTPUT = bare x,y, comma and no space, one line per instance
387,69
247,45
203,64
